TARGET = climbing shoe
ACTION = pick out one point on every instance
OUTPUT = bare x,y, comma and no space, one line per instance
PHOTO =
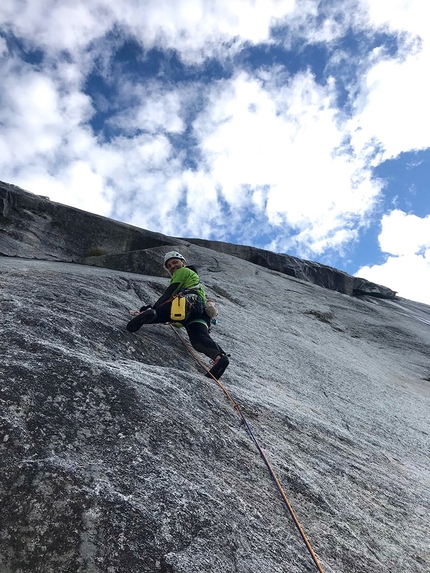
142,318
218,368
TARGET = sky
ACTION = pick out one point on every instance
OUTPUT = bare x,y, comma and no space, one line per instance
297,126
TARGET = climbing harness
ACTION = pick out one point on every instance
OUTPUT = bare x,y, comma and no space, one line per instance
259,448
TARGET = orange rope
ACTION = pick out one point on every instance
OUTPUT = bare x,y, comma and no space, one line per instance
263,455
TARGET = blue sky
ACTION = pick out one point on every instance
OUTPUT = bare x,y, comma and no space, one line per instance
299,127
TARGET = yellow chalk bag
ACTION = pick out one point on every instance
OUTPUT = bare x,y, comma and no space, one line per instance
178,309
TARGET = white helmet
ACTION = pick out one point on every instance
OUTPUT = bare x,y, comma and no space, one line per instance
173,255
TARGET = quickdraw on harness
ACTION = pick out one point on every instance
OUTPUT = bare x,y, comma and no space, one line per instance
259,448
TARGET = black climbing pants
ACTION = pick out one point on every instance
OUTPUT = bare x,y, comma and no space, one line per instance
201,341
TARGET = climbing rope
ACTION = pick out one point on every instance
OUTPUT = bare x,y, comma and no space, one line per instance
259,448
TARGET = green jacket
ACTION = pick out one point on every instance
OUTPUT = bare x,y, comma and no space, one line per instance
187,279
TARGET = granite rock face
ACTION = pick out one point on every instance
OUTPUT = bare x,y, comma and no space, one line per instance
316,273
34,227
313,272
119,456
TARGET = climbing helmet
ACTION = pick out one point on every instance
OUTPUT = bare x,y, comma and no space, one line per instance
173,255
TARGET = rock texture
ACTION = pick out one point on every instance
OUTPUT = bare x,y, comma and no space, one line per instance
119,456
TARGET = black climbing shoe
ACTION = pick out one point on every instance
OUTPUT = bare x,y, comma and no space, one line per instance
220,364
142,318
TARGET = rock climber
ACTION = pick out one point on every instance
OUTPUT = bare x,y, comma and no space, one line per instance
185,281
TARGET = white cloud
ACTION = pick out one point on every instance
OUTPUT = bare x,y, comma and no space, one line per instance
150,107
286,138
269,147
38,111
393,112
45,142
393,107
403,233
48,147
54,25
406,238
408,275
78,183
399,15
197,29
